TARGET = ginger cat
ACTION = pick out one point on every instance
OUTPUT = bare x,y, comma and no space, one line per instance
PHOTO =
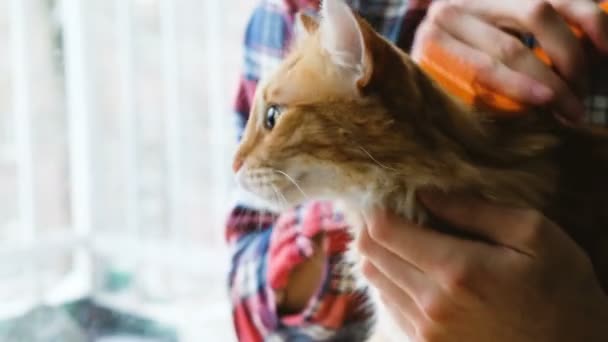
349,116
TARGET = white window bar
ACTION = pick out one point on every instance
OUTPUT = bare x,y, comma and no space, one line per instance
216,107
81,134
173,115
22,118
124,38
23,147
185,257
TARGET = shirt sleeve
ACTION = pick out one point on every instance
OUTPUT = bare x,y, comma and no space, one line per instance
262,260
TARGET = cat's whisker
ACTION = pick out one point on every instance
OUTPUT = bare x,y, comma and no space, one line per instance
275,196
278,199
263,213
285,202
292,180
375,160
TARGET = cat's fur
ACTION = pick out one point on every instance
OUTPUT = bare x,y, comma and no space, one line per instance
360,121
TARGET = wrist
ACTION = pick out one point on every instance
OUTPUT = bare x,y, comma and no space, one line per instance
304,281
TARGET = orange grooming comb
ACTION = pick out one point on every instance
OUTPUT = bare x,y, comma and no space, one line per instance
458,78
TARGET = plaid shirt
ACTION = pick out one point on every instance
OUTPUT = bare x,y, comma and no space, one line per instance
267,246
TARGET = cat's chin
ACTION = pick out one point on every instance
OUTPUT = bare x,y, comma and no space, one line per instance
368,200
257,202
292,198
281,201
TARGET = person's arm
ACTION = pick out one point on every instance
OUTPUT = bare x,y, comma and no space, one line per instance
287,276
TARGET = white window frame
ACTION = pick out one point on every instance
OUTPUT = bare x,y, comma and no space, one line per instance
80,238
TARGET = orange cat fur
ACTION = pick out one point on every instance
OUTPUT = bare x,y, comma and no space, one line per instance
349,116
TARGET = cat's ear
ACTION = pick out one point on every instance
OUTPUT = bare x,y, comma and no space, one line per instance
343,39
305,24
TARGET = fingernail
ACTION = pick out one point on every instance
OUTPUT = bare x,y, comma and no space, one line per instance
542,93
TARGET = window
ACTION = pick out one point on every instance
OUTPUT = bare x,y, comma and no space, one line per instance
116,135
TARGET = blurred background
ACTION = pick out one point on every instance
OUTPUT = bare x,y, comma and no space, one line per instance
116,135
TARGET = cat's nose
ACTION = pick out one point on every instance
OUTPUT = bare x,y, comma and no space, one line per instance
237,164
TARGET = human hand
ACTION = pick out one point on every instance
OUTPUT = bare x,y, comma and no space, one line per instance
528,282
304,280
301,241
473,30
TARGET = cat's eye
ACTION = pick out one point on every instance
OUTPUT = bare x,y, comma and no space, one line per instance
272,115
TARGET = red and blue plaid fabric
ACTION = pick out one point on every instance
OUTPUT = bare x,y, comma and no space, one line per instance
267,246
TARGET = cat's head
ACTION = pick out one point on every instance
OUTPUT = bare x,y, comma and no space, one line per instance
336,118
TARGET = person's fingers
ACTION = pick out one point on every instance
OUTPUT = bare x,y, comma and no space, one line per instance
508,55
587,15
406,304
398,317
488,71
525,231
422,310
544,22
425,248
404,274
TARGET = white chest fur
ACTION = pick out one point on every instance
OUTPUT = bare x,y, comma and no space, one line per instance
385,329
